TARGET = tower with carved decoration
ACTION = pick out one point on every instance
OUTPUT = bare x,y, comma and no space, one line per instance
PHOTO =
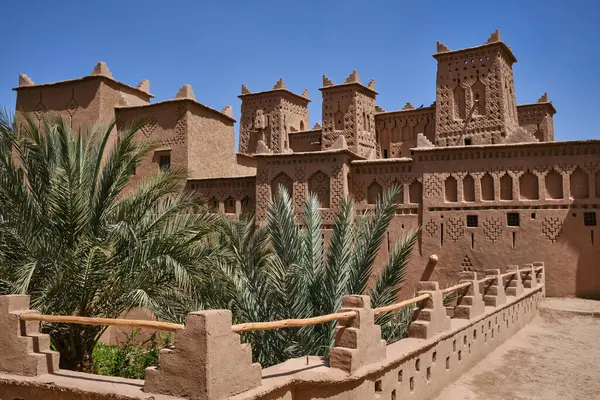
475,94
268,117
349,110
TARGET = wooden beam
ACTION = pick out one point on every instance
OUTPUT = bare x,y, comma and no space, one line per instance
133,323
286,323
398,306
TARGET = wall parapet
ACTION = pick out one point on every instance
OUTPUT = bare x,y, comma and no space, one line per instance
418,366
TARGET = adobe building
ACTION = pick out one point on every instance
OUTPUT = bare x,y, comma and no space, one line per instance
482,175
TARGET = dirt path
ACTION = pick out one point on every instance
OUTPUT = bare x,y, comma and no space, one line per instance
556,356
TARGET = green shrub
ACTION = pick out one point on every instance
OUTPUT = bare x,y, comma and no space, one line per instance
129,360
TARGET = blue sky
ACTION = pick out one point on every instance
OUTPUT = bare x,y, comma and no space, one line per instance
217,45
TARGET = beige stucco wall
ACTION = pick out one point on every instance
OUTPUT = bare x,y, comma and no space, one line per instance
166,125
77,102
210,144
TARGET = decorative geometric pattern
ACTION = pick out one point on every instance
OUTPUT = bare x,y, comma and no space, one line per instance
150,126
466,263
455,228
319,184
72,105
433,186
551,228
40,109
285,181
337,185
492,228
431,227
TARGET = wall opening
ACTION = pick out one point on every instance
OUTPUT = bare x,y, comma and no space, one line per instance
283,180
164,162
598,184
378,386
247,205
374,191
478,91
338,119
506,191
589,218
487,187
469,188
554,185
513,219
415,192
301,125
450,190
229,204
213,205
472,221
528,187
579,184
459,101
319,184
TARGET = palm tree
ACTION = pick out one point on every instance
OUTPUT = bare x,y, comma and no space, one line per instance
284,270
77,239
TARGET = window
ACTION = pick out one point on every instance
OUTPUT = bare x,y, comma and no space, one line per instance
164,162
385,153
512,219
468,141
378,386
472,221
589,219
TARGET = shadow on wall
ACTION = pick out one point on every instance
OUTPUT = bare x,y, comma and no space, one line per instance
581,233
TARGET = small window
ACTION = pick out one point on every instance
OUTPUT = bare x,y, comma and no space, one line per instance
472,221
385,153
468,141
378,386
164,162
512,219
589,219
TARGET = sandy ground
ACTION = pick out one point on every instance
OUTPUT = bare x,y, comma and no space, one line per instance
556,356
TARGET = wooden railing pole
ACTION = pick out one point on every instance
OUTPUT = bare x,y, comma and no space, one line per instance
287,323
455,287
132,323
402,304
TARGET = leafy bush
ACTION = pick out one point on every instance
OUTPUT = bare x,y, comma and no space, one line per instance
129,360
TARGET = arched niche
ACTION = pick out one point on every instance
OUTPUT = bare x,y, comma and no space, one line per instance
554,185
451,190
487,187
374,191
529,187
319,184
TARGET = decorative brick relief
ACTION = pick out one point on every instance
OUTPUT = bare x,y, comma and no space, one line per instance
492,228
433,186
551,228
455,228
40,110
466,263
319,184
431,227
337,185
72,105
150,125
